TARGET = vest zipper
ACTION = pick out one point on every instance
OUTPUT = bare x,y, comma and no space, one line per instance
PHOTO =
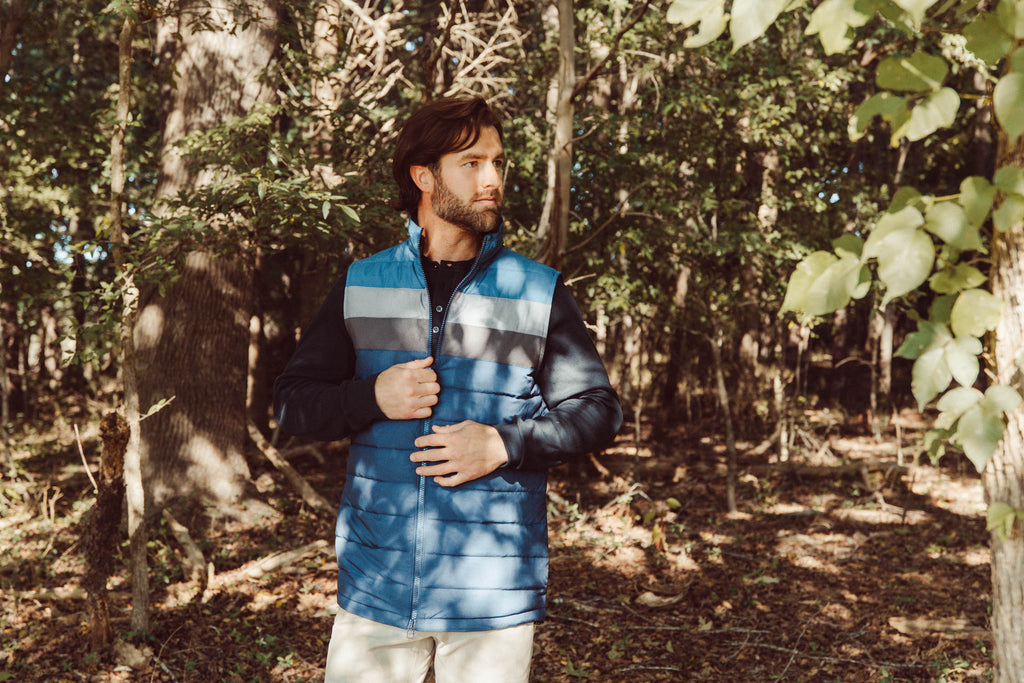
421,488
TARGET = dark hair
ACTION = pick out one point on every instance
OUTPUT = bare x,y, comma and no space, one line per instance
435,129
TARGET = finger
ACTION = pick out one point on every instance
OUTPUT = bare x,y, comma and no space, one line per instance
430,441
420,363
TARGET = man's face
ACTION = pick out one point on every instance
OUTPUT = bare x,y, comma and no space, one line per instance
467,191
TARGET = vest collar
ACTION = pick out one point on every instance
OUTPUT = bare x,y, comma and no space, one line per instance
491,245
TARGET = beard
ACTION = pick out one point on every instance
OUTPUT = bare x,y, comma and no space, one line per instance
465,215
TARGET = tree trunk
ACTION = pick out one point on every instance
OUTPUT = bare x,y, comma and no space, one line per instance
16,11
194,341
131,457
723,402
1003,478
554,222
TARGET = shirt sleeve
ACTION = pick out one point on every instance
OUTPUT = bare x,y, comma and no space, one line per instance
584,412
316,395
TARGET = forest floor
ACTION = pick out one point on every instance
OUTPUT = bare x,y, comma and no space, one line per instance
842,565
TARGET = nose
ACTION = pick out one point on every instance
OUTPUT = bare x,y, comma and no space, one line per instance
490,176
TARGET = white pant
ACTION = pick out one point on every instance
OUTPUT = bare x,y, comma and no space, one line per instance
363,651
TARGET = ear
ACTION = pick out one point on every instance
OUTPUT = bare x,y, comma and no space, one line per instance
423,177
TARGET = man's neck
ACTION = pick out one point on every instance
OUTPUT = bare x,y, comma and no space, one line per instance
443,241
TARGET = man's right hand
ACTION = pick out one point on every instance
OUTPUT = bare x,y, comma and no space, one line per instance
407,391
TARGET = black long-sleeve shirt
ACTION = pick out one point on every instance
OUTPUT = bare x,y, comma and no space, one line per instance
317,397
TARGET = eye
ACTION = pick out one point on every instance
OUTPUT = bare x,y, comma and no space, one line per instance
470,164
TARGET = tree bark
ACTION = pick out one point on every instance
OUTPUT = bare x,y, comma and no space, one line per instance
194,341
1003,478
132,464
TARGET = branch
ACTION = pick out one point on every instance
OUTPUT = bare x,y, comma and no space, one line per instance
583,82
309,495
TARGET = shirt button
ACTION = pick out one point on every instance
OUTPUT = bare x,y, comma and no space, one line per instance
436,330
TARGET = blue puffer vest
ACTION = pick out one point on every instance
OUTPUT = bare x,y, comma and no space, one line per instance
411,553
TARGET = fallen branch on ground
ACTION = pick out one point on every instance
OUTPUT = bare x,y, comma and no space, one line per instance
309,495
257,568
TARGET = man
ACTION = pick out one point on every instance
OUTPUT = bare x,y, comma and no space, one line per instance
463,371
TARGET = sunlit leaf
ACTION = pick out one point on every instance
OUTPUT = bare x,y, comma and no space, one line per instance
955,279
915,8
905,263
921,72
751,18
962,359
976,196
833,21
1008,98
928,336
884,104
1000,397
848,244
1010,179
936,111
1009,213
975,312
929,376
906,219
1011,17
987,39
803,279
978,432
948,221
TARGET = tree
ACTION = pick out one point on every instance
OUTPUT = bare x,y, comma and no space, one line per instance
932,240
193,337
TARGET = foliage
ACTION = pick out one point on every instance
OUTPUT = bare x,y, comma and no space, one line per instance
925,238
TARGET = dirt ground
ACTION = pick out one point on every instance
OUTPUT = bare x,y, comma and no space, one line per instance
841,565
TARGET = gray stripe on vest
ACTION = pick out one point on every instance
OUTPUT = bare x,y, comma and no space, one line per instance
518,315
384,302
389,334
500,346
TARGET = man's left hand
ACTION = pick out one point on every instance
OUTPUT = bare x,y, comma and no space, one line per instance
459,453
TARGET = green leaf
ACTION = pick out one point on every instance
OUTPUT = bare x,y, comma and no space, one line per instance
1002,398
1000,519
836,286
803,279
955,279
936,111
976,196
962,359
1009,213
978,432
906,219
833,21
928,335
975,312
907,196
325,209
1017,60
709,13
940,308
929,376
689,12
848,244
948,221
883,104
905,263
1011,17
954,403
915,8
1008,98
921,72
987,39
751,18
350,212
1010,179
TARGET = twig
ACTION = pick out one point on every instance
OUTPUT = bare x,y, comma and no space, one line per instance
81,452
308,493
798,639
839,660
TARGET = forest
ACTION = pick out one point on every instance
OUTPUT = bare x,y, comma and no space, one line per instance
794,228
